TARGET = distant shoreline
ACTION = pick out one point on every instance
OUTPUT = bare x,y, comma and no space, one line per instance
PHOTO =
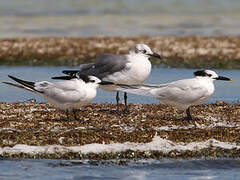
178,52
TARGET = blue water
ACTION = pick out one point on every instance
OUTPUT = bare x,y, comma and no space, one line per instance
227,91
82,7
119,17
142,170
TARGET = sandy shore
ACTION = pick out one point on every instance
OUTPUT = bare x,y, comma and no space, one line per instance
188,52
39,124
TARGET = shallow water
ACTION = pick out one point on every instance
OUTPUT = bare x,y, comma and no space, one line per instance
119,17
227,91
140,169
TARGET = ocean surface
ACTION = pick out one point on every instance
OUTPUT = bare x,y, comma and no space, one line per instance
225,91
15,169
83,18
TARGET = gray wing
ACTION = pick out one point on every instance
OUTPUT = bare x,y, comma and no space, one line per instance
72,73
85,67
106,64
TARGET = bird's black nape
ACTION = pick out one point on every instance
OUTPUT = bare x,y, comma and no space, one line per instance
84,77
200,73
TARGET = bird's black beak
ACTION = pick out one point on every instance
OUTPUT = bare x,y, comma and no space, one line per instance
223,78
106,83
155,55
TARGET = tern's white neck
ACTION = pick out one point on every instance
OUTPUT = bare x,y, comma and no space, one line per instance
204,78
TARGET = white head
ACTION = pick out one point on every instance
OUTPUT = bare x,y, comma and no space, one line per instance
209,74
144,50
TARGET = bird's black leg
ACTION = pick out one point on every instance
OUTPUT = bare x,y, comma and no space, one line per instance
74,114
189,117
67,114
117,99
125,101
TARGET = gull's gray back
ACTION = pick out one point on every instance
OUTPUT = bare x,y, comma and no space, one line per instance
106,64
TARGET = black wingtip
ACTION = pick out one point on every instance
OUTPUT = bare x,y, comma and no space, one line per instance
15,79
70,72
63,77
12,77
25,83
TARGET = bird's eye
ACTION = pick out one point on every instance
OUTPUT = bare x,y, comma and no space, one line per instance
144,51
92,81
209,75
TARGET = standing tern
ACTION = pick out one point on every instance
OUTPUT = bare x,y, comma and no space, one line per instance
182,93
77,91
132,68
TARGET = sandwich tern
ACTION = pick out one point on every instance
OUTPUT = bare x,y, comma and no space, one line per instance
77,91
182,93
132,68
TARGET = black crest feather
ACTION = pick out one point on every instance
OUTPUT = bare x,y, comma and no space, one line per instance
200,73
84,77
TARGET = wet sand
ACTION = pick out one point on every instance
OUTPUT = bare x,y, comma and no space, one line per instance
181,52
40,124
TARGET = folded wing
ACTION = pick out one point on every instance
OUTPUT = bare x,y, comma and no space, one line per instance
106,64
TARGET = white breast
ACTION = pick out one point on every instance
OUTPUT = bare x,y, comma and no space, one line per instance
136,72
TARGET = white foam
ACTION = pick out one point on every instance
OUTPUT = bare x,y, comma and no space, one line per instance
9,130
158,143
173,127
